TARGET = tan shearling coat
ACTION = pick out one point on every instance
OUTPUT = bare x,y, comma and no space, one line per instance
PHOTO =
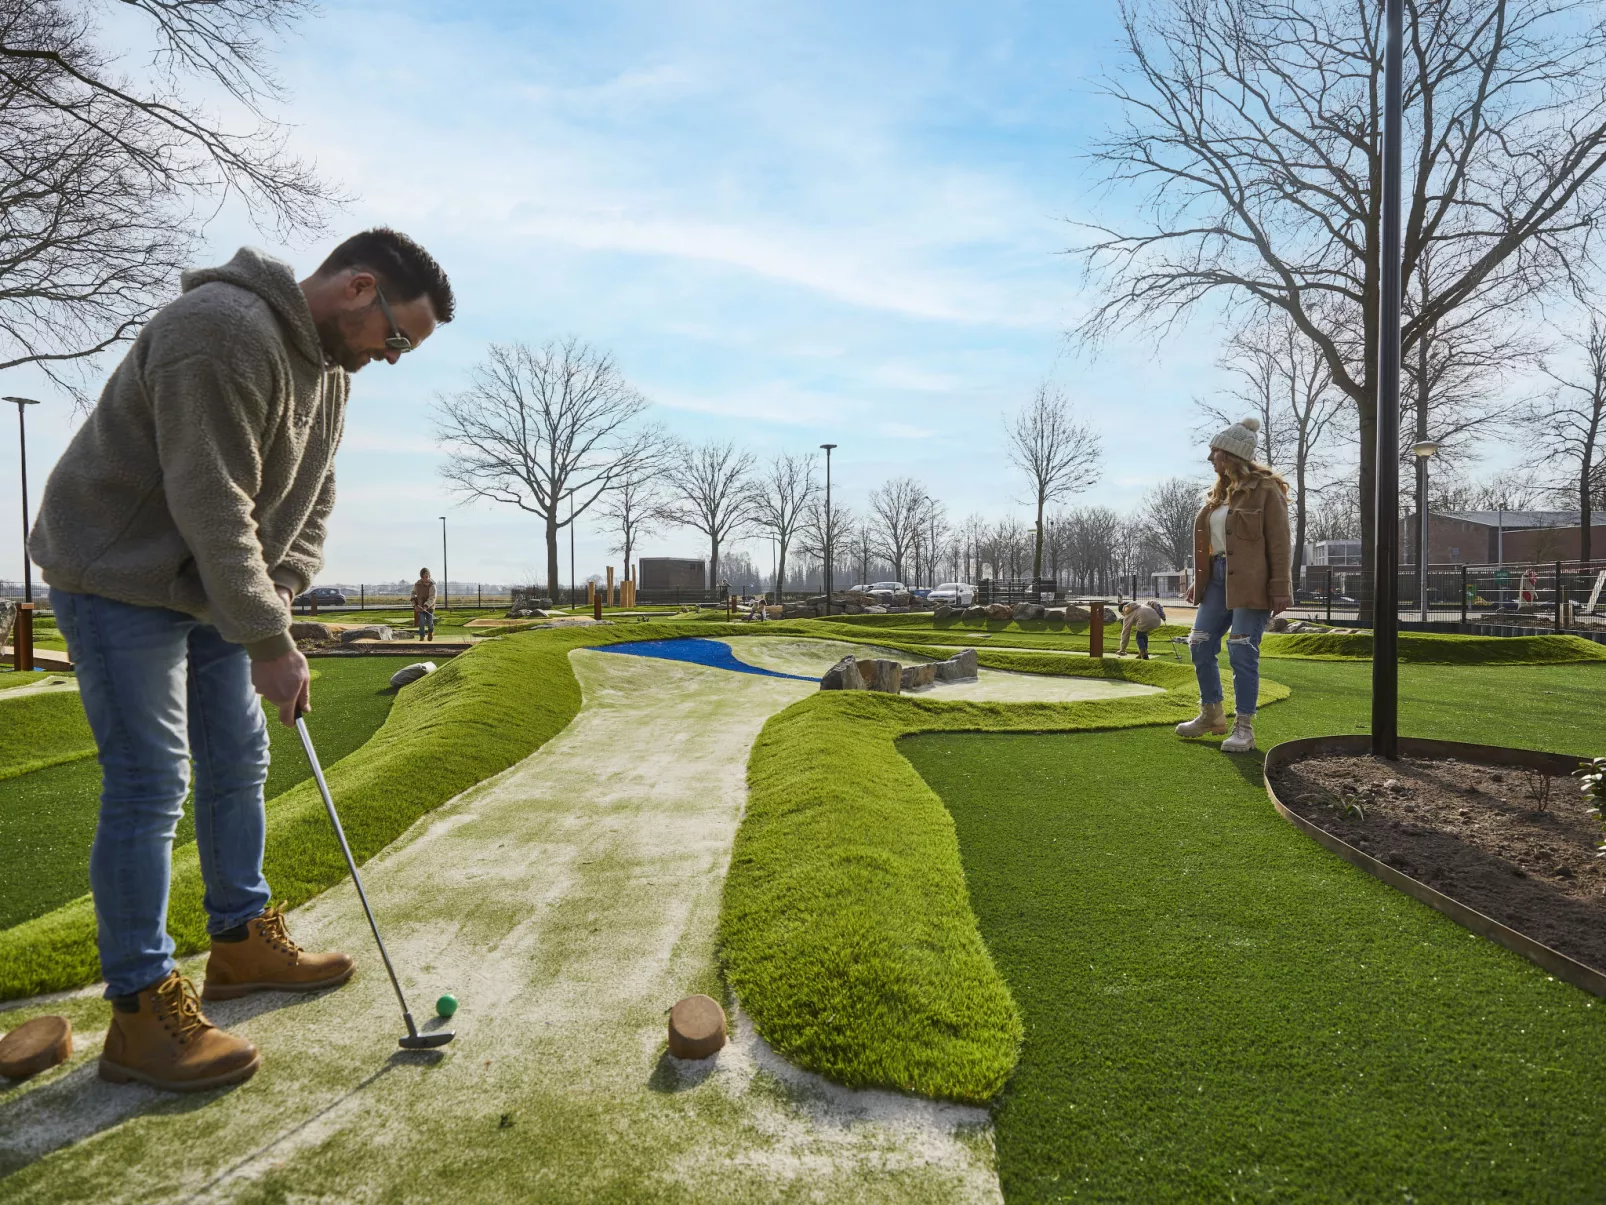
1259,554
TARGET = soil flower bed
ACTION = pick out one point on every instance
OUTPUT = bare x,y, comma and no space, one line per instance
1517,845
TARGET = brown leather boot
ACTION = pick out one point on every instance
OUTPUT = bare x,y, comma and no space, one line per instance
168,1043
267,960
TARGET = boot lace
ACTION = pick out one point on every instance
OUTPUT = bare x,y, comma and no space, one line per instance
275,933
179,1006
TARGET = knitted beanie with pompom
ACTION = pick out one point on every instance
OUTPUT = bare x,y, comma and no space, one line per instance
1239,439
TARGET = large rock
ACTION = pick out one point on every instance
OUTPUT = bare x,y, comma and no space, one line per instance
1029,610
8,617
844,675
917,677
903,599
1280,623
875,610
1000,611
798,611
943,611
958,668
885,676
1055,616
311,631
412,673
1078,615
976,612
372,631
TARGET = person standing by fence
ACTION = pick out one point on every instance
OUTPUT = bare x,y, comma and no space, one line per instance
424,605
1243,554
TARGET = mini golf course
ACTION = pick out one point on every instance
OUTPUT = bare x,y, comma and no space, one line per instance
1027,910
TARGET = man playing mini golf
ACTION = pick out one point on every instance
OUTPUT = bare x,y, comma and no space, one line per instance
185,514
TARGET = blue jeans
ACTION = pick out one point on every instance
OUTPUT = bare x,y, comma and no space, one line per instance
1143,643
160,688
426,622
1243,627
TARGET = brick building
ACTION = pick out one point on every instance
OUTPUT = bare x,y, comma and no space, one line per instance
1487,537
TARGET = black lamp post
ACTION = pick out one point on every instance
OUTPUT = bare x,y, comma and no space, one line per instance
446,573
828,533
1386,503
22,641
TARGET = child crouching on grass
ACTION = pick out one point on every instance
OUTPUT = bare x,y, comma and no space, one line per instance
1143,618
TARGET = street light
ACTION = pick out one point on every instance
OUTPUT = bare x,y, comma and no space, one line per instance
22,641
1423,450
446,573
828,582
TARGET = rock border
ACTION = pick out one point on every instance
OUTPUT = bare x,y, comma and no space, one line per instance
1559,765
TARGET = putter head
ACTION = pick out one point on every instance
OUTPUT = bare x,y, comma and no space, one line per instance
426,1041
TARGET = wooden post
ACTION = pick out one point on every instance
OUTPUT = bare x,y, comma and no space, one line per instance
1095,631
22,638
596,605
612,600
591,592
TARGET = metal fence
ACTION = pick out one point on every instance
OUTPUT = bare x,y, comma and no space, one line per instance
1553,595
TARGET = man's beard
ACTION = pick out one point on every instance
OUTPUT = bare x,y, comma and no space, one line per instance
332,336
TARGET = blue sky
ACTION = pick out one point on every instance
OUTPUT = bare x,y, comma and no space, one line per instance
791,225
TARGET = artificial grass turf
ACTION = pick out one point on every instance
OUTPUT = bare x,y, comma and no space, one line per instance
846,930
1217,1008
480,713
1437,648
48,817
39,730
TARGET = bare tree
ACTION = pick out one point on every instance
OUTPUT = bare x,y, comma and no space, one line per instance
812,542
1059,456
713,493
1255,126
634,508
1570,425
1286,384
538,426
780,504
896,510
931,528
1165,519
107,176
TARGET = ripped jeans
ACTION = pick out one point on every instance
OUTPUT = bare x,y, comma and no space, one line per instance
1243,627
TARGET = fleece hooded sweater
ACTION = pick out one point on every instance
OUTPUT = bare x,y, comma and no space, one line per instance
205,474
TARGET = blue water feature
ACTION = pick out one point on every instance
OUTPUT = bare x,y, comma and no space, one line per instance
698,651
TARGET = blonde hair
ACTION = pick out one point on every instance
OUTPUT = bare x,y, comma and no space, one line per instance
1240,477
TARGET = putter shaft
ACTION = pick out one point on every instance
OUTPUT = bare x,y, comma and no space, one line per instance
351,863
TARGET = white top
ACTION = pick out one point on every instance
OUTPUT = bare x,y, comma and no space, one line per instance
1218,531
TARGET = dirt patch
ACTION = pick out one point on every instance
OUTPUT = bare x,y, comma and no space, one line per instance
1512,843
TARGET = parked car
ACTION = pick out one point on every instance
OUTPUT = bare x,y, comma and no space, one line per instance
324,596
887,588
955,594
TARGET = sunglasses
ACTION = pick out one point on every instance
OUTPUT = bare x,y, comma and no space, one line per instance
395,341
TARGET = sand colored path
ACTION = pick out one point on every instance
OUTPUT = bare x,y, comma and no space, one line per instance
568,903
793,655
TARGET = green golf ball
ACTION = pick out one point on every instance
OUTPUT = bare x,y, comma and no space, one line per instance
446,1005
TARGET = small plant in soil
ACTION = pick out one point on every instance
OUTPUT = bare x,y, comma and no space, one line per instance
1537,786
1592,775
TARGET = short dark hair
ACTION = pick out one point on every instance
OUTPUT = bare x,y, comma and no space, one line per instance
405,270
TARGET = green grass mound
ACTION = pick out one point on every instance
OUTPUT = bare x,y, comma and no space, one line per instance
39,730
846,930
1432,648
1217,1008
477,715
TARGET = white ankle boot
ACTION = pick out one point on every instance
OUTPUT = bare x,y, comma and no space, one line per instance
1212,718
1242,739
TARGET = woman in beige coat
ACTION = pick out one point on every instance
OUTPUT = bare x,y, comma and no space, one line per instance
1242,554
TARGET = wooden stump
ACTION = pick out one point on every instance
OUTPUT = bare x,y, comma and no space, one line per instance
35,1046
696,1027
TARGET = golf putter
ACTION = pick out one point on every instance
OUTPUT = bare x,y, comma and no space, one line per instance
414,1040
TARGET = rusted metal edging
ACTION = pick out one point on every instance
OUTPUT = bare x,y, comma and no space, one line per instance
1555,764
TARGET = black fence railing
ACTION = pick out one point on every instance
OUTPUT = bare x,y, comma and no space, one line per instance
1555,595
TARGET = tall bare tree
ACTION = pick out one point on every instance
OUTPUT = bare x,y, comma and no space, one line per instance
634,508
1165,519
109,169
1059,455
539,426
711,491
780,504
1254,127
1288,386
1570,425
812,539
895,513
